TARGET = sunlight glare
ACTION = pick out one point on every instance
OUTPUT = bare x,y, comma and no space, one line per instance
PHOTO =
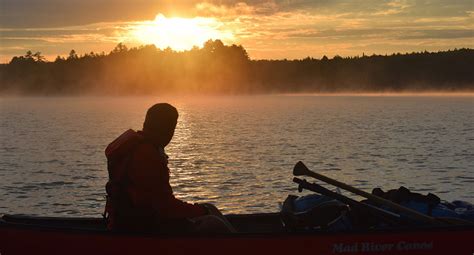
179,33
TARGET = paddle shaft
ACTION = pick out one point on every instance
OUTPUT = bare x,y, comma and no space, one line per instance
375,211
409,212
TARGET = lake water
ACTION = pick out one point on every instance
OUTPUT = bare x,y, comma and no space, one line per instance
237,152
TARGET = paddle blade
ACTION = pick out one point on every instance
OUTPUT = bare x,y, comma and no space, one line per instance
300,169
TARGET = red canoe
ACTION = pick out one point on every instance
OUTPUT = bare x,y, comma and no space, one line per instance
258,234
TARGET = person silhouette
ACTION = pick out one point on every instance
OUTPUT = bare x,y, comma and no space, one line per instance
139,195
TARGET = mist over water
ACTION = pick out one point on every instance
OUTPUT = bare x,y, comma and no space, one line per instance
237,152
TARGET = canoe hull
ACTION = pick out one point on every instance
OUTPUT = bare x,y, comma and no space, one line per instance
34,240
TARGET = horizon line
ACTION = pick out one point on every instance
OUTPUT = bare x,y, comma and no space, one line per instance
251,59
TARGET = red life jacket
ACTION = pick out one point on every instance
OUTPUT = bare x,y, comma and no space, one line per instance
128,209
118,205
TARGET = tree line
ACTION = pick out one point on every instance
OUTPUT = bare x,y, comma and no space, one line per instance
219,68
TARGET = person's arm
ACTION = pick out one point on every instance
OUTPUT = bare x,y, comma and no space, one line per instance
150,175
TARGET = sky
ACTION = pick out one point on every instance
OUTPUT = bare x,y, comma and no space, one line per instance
268,29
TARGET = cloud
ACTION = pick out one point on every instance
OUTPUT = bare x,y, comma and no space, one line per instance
438,34
58,13
267,28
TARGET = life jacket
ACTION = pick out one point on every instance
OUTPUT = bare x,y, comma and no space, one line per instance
121,213
118,205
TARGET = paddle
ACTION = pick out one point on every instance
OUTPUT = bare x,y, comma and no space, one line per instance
301,169
385,215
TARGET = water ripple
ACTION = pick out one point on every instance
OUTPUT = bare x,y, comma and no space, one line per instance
236,152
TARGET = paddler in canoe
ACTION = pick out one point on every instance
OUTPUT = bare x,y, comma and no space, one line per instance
139,195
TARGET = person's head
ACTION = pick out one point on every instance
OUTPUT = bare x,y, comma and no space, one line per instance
160,123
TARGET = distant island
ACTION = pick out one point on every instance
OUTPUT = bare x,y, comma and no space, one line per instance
227,69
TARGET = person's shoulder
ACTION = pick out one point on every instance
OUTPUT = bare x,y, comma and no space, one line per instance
147,152
144,150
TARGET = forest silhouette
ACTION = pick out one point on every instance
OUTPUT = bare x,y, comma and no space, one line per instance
227,69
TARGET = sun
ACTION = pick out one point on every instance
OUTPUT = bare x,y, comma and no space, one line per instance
179,33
